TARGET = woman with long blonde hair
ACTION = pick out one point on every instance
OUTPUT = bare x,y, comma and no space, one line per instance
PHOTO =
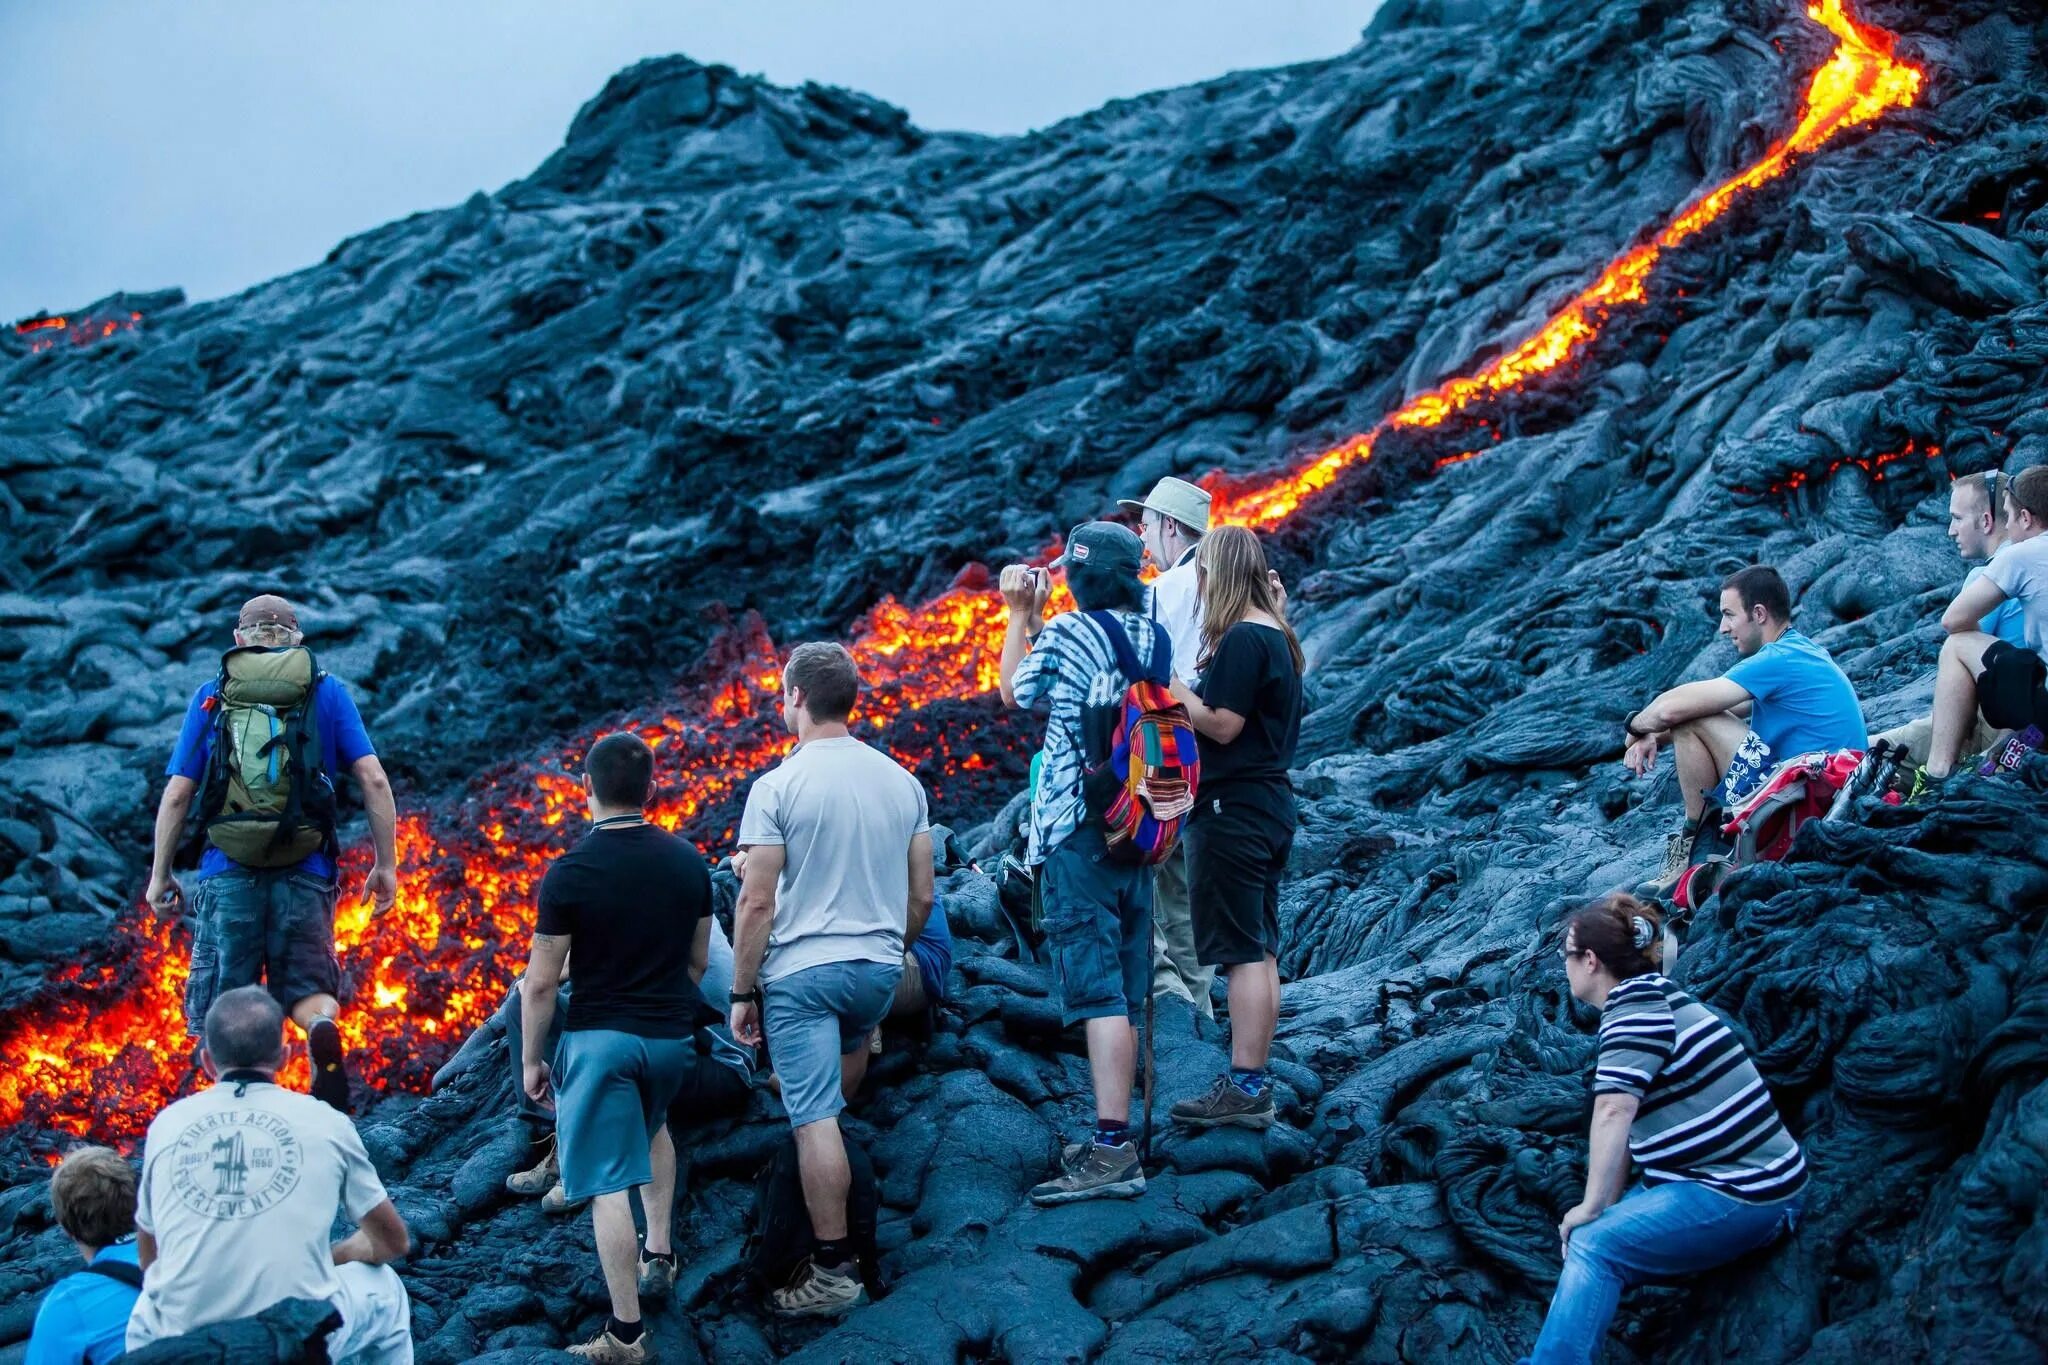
1247,718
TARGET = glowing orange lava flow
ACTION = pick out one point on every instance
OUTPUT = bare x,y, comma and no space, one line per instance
1858,83
43,333
101,1047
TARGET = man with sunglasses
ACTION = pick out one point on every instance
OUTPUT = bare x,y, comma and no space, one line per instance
1981,675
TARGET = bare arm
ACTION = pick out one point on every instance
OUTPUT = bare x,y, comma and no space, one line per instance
537,1008
145,1249
1606,1160
170,823
382,1238
919,911
1971,606
752,918
1689,701
1211,722
1025,590
700,951
382,808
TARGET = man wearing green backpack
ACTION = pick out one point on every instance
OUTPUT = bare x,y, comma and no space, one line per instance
259,751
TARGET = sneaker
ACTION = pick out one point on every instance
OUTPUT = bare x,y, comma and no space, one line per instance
1677,857
657,1276
540,1177
815,1292
1227,1106
330,1068
1089,1170
556,1200
606,1347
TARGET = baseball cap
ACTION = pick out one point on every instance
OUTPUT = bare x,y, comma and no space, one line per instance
1186,503
268,609
1102,545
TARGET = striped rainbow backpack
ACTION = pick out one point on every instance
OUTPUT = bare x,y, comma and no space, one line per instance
1142,765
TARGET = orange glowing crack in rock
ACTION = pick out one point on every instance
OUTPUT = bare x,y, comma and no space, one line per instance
102,1047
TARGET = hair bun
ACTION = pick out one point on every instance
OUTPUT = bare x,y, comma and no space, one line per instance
1641,931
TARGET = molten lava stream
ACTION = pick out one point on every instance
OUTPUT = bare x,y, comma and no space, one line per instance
103,1047
1860,81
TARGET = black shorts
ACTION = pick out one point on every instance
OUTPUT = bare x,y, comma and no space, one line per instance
2010,689
1237,851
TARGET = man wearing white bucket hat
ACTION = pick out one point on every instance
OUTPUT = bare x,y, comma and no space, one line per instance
1173,518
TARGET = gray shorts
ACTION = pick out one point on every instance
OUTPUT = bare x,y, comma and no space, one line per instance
814,1017
611,1098
269,926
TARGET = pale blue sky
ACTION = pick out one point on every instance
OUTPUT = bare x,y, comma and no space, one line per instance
215,143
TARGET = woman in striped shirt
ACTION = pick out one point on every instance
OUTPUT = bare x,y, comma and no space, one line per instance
1674,1089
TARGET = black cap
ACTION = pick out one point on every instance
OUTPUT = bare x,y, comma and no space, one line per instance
1103,545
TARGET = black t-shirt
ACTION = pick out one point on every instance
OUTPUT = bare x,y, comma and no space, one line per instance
629,899
1252,673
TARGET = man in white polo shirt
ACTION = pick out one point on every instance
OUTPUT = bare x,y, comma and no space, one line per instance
1173,518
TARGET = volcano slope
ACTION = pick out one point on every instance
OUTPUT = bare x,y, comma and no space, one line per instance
738,349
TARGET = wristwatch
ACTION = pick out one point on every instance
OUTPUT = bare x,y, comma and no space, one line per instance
752,997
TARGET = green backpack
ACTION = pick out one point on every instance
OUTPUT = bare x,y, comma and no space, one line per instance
268,801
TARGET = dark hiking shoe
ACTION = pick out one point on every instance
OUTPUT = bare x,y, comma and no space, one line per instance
1089,1170
815,1292
541,1176
330,1068
657,1277
608,1348
1227,1106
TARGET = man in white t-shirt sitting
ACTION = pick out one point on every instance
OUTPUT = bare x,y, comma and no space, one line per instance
838,879
1172,519
239,1188
1979,671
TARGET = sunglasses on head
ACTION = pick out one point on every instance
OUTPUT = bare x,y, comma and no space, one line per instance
1991,489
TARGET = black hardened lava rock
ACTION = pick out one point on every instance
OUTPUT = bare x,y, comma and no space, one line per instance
740,349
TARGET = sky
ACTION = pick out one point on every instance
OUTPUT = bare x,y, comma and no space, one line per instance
212,144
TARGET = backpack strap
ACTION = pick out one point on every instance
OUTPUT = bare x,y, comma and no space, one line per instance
1126,657
123,1271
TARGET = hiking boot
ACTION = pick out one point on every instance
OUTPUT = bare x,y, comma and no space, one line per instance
657,1276
1089,1170
815,1292
556,1200
541,1177
1677,858
606,1347
1227,1106
330,1068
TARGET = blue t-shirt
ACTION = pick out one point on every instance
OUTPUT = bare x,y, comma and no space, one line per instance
343,741
1801,702
2008,620
84,1317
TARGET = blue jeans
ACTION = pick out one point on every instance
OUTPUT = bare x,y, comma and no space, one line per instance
541,1116
1660,1233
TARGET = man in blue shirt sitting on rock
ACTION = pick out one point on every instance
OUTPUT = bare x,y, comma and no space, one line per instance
84,1318
1784,697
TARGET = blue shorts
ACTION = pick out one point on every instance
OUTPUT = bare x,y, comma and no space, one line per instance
814,1017
1098,923
611,1098
1748,766
268,926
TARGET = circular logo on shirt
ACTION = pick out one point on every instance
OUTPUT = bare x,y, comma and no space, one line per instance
236,1163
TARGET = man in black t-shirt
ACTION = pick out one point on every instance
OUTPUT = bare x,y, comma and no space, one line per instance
635,903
